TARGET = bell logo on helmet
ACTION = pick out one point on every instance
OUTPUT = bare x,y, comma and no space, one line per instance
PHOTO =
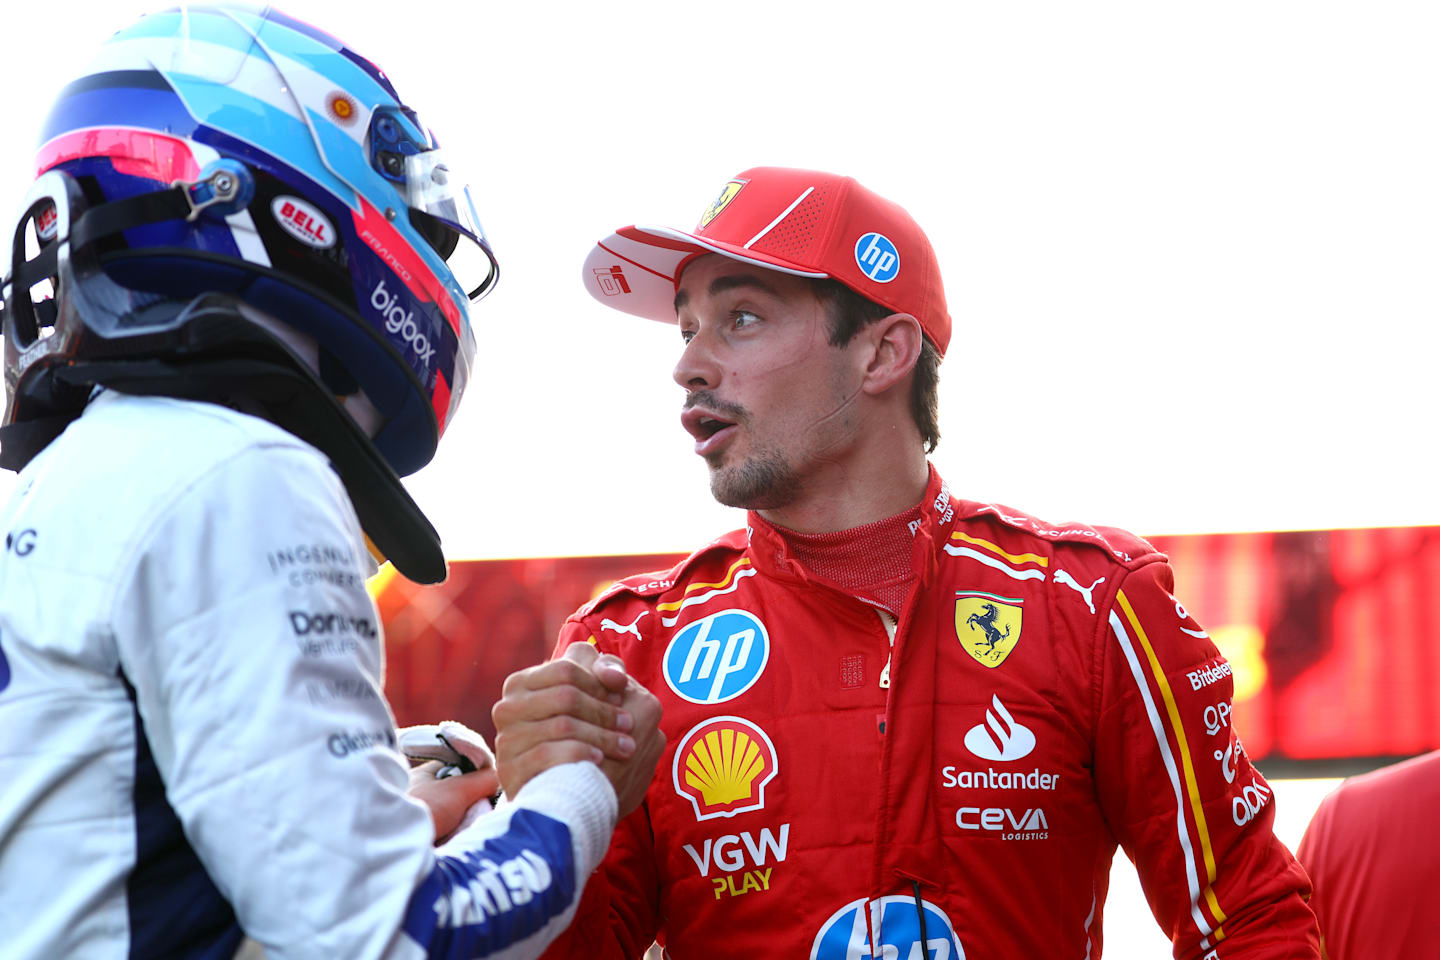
401,321
303,221
47,222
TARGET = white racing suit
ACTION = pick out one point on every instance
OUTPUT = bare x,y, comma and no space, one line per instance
194,746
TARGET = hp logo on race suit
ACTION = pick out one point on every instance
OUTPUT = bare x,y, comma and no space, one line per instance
717,658
896,923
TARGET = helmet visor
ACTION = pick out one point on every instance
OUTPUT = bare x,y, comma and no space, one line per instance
449,221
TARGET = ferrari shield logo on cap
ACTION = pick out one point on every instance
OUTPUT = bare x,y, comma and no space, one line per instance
721,202
987,625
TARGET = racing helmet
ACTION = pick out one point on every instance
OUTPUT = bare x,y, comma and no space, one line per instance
227,150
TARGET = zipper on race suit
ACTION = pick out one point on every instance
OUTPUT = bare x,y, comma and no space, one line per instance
890,623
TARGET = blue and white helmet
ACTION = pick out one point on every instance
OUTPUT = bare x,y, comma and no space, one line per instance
292,177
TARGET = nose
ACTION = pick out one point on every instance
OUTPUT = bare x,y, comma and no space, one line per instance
697,369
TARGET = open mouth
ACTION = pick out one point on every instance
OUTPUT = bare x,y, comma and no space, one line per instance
709,426
707,429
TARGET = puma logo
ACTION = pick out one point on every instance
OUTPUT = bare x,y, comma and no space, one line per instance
633,627
1064,577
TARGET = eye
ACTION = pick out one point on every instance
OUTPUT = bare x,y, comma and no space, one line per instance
743,318
687,334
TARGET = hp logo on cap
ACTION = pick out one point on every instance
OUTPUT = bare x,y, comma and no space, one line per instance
877,257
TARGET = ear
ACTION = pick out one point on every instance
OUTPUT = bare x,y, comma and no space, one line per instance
895,346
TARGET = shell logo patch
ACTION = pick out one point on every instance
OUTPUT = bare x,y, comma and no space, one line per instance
987,625
721,202
722,767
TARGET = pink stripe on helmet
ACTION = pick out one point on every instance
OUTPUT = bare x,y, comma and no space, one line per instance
133,152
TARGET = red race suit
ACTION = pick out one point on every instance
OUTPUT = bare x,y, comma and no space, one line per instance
1373,851
839,786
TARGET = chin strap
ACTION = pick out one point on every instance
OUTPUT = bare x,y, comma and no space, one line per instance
220,357
298,404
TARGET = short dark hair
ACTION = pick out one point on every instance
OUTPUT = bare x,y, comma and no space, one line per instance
849,312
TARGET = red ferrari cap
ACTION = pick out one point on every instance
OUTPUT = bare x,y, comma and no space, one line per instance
802,222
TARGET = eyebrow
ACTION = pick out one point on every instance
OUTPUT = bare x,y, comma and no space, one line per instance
733,281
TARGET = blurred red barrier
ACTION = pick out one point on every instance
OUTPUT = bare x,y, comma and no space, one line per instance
1333,634
449,647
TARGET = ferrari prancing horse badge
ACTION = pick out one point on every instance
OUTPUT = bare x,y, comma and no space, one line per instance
987,625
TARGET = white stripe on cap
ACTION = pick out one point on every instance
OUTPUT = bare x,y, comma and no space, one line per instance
700,242
776,222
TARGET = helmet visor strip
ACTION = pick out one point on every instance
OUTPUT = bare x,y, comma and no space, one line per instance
449,220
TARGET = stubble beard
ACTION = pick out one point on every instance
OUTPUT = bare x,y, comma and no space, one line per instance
765,481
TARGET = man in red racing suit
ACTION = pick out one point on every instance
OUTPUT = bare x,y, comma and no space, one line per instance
1047,697
899,725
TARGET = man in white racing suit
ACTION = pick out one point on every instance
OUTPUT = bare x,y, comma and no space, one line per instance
209,418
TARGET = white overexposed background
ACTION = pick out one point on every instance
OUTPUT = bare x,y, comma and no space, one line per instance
1190,249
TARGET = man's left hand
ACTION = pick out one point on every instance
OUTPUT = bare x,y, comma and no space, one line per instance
453,800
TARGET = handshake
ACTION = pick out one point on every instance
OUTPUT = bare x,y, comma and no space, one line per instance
581,707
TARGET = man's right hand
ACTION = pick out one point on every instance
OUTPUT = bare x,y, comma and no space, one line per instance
582,706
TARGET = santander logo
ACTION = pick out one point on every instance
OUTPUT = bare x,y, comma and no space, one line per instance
303,221
1001,737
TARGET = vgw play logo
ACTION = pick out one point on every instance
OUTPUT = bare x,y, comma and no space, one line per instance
896,922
